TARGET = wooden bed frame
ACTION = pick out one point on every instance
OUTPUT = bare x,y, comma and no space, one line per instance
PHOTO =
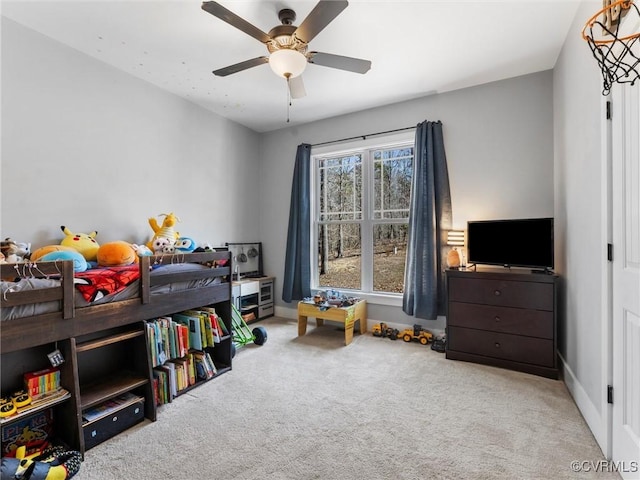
71,321
105,347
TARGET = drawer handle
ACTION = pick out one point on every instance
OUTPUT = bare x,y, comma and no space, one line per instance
497,345
497,318
497,293
114,419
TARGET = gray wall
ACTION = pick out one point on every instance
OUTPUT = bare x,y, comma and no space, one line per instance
499,144
93,148
580,213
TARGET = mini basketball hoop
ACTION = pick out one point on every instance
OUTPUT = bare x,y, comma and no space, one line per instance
617,52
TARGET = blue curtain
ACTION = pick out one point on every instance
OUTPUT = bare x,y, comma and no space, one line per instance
429,219
297,266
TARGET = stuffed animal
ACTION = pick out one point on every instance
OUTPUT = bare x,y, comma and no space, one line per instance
185,245
116,254
80,263
14,252
142,250
85,243
165,230
40,252
54,463
159,245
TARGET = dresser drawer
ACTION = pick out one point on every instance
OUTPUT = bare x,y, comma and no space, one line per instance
507,293
518,321
504,346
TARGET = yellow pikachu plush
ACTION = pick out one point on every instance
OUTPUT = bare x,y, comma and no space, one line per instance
84,243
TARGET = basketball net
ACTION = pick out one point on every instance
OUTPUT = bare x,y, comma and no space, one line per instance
616,50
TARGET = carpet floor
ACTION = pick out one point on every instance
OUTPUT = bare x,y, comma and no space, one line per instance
300,408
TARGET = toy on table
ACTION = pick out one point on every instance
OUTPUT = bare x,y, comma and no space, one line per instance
165,230
85,243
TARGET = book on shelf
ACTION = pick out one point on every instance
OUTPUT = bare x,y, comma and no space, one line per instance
192,369
193,323
204,365
110,406
205,326
164,395
223,330
151,338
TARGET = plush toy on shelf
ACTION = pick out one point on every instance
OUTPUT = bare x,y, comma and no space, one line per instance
166,230
85,243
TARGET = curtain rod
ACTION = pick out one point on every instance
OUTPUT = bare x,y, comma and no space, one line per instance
363,137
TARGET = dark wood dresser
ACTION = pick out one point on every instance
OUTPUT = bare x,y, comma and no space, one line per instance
503,318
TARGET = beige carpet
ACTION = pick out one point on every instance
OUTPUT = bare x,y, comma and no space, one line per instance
311,408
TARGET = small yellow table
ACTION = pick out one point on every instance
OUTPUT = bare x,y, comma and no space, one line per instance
347,315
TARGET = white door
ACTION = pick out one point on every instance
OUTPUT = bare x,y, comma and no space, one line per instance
625,137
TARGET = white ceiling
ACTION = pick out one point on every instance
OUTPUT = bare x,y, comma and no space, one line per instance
417,48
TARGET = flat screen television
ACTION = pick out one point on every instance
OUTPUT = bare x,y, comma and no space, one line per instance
511,243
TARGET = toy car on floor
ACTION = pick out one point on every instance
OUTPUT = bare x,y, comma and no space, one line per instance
416,333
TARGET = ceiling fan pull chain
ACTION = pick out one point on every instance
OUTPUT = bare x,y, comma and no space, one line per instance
288,98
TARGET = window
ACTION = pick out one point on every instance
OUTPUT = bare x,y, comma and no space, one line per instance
361,215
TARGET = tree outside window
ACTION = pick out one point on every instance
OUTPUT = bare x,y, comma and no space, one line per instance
361,219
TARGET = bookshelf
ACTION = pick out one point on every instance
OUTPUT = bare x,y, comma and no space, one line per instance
107,375
187,349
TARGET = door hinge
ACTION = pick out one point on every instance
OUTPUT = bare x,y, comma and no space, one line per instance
608,110
610,252
610,394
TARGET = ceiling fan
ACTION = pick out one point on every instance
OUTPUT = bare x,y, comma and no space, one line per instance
288,44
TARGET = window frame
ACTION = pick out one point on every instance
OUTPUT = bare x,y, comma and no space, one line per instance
364,147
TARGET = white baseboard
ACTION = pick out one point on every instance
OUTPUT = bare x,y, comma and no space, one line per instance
594,418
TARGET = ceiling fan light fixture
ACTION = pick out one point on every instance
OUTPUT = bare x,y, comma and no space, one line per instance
287,63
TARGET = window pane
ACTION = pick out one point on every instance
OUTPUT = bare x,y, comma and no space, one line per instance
339,255
392,171
340,188
390,251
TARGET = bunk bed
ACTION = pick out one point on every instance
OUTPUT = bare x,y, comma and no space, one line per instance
41,303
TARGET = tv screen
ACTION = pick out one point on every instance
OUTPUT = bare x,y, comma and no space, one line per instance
511,243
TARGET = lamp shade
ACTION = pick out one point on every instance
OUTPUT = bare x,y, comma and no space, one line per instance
455,238
287,63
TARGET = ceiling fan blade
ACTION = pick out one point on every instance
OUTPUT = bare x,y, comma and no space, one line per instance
238,67
350,64
296,87
217,10
321,16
